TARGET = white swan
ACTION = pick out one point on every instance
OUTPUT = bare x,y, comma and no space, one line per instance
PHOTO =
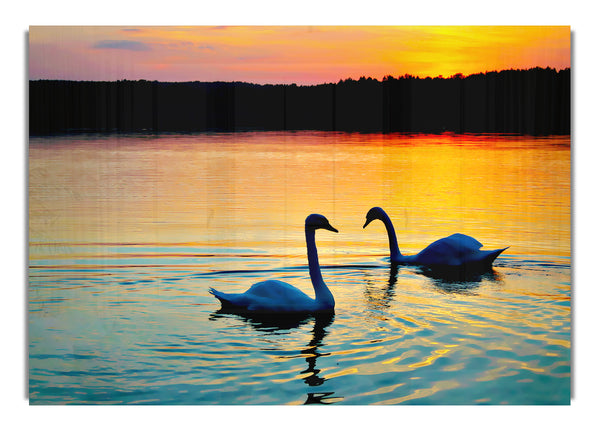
278,297
455,251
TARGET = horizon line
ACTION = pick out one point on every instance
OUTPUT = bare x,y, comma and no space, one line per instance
457,75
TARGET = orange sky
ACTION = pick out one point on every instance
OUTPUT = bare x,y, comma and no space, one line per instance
289,54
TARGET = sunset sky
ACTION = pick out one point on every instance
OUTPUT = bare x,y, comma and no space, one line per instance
289,54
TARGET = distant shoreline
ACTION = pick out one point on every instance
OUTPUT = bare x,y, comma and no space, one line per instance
529,102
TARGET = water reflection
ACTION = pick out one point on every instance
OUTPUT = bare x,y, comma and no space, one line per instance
321,398
380,297
311,352
113,271
454,275
265,322
271,323
467,284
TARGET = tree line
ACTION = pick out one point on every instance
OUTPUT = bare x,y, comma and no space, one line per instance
533,101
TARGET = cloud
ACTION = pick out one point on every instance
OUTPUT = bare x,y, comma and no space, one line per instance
130,45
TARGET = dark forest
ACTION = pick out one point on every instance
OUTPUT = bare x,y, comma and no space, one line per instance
532,102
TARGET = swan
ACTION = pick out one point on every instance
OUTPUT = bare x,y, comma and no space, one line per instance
275,296
457,251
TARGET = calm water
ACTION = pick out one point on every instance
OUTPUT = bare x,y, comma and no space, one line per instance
127,233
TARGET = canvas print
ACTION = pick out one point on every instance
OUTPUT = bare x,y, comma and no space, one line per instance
288,215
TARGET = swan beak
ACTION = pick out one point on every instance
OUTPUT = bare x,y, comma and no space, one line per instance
367,223
331,228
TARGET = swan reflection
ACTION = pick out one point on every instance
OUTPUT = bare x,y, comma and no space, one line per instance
380,297
465,285
458,275
311,352
321,398
272,323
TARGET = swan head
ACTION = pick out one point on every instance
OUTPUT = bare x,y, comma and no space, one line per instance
375,213
317,221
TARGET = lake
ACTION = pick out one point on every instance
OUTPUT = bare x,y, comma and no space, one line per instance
128,232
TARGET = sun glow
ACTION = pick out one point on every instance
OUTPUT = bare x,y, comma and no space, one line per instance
290,54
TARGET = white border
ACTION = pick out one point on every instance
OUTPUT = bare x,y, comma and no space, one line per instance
579,14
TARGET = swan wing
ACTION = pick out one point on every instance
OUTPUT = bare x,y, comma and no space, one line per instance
277,290
457,249
268,296
453,250
463,242
230,300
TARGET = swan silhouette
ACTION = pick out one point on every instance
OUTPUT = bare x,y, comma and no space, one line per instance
456,252
274,296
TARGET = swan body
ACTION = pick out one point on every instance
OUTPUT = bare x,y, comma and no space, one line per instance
276,296
454,251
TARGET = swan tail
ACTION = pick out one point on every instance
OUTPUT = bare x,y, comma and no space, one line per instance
487,261
223,297
494,254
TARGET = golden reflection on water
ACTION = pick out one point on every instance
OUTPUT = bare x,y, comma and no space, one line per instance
254,188
422,393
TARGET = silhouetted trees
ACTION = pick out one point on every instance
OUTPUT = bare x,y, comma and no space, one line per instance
534,101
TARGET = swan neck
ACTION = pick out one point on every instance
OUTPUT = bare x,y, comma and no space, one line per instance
322,293
394,250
